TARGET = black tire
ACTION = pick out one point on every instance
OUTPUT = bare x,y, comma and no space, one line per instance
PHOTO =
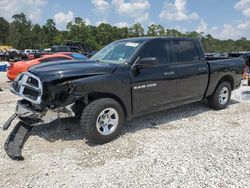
89,120
214,100
78,108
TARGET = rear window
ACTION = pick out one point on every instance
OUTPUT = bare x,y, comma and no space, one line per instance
184,51
77,56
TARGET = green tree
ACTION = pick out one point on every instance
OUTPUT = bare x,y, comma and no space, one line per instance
156,30
104,34
78,31
4,31
136,30
21,34
37,37
174,32
20,31
50,32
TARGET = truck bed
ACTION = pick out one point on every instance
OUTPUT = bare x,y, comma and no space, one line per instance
218,68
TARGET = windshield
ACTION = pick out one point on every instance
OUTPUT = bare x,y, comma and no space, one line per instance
117,52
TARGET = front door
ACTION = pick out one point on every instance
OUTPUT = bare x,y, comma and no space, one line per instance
153,87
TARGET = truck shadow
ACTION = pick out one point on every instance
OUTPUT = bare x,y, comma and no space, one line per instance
69,129
167,117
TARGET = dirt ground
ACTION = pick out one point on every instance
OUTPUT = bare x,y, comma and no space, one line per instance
188,146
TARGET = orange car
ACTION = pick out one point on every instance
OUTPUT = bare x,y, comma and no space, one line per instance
22,66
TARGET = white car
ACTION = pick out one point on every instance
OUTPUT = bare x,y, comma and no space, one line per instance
29,51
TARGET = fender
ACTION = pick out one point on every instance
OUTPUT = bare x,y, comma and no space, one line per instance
116,85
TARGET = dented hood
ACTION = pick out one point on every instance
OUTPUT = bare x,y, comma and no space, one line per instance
69,69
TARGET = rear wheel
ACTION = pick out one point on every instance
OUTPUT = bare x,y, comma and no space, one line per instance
221,96
102,120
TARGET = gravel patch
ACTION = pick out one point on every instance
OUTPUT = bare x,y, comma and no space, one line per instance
188,146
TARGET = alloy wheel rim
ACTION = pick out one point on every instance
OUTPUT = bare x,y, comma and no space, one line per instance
223,95
107,121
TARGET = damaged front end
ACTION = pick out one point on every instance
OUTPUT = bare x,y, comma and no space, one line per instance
34,109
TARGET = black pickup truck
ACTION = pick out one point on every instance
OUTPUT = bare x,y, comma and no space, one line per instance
125,79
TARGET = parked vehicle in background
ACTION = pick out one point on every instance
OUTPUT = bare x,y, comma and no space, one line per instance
12,55
215,54
243,54
76,47
29,51
81,47
22,66
16,55
3,56
125,79
61,48
47,50
32,51
246,57
246,74
38,51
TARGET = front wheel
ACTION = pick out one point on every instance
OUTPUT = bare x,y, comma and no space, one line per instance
102,120
221,96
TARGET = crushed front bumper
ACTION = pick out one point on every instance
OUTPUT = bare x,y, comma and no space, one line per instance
27,114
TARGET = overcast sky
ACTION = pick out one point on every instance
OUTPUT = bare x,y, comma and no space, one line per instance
222,18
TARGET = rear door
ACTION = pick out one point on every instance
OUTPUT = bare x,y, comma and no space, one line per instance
191,70
153,87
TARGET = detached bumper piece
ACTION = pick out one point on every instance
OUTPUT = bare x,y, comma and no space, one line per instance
29,117
14,143
8,122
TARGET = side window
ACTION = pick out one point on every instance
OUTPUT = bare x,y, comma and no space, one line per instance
53,59
184,51
158,49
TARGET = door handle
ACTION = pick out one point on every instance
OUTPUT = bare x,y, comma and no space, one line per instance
169,73
202,69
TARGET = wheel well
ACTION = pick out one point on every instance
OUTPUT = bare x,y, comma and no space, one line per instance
227,79
95,96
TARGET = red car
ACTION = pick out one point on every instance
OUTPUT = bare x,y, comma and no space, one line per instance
22,66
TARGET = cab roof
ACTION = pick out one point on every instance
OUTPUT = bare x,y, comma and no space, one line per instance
144,39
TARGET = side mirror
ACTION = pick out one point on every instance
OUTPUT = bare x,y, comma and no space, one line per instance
147,62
